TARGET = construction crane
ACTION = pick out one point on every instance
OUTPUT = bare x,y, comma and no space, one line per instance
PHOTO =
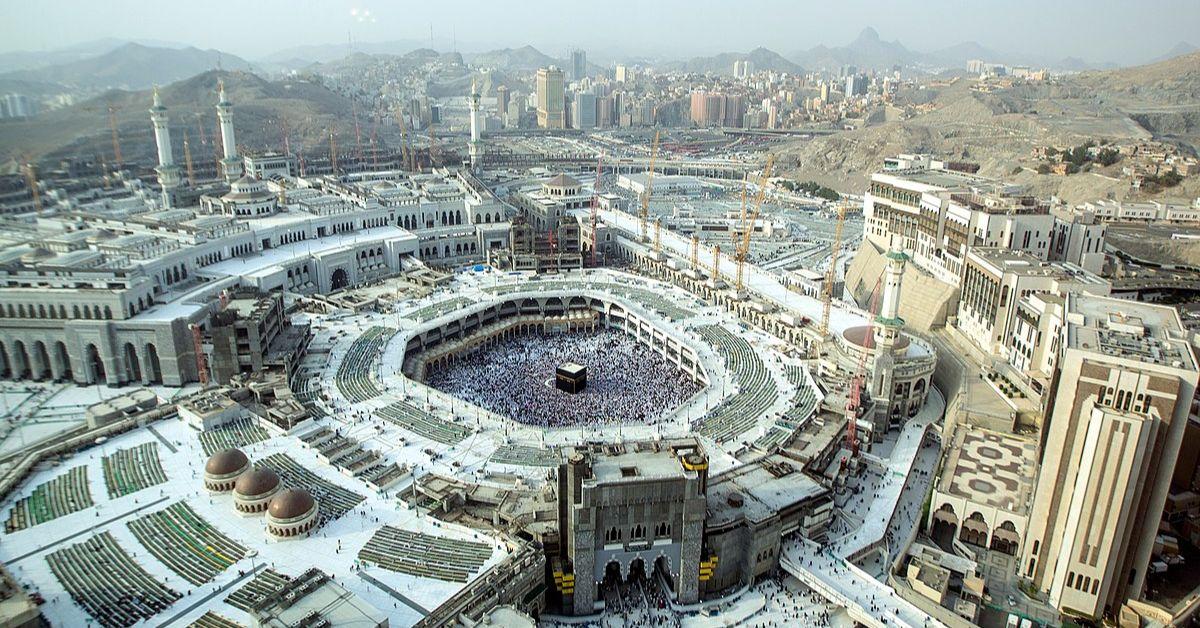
645,212
32,182
116,136
742,250
596,207
187,159
357,132
696,252
835,250
405,152
332,152
716,265
854,398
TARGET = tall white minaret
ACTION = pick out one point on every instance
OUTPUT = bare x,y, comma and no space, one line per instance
889,323
473,148
168,172
231,164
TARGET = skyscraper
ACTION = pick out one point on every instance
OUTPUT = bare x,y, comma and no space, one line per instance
578,65
1115,425
550,103
583,111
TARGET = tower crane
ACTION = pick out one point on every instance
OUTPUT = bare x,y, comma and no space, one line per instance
645,212
116,139
332,152
187,158
32,182
831,273
596,207
405,152
742,250
357,132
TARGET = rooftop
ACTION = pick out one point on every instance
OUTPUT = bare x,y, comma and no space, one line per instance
991,468
1130,330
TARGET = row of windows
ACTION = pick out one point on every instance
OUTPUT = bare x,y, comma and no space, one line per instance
637,532
1123,400
1083,583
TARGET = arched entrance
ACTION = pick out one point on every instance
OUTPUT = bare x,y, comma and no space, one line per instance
62,359
20,359
95,366
975,530
945,525
340,279
133,370
1006,539
41,361
154,369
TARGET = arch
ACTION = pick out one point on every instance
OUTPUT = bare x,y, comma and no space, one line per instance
5,365
974,530
41,361
20,361
1005,538
62,360
133,369
662,566
153,368
94,365
340,279
944,526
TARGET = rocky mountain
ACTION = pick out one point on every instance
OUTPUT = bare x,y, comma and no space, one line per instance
760,59
525,58
132,66
998,130
261,108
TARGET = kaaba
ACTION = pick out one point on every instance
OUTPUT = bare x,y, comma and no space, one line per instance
570,377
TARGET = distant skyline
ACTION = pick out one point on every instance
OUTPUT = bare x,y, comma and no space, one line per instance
1097,31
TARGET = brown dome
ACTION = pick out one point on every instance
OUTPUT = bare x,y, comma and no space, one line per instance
290,504
260,481
226,462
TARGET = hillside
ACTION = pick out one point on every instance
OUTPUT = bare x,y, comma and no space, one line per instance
525,58
999,130
131,66
309,110
760,59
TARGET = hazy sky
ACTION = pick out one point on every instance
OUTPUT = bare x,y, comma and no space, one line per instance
1096,30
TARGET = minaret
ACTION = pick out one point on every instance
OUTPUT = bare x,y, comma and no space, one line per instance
231,164
475,123
168,172
889,323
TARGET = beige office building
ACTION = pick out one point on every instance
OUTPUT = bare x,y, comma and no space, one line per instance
1116,422
550,102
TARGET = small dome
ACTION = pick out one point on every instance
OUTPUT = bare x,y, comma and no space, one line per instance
226,462
290,504
260,481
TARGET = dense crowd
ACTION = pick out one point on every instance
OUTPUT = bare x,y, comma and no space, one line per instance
626,382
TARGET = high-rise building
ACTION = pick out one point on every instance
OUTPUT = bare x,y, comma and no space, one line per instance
550,98
742,69
502,102
578,65
1127,378
17,106
856,85
583,111
624,74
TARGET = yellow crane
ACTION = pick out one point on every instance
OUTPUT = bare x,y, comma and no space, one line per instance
187,158
405,152
645,212
742,250
332,152
831,274
116,139
32,182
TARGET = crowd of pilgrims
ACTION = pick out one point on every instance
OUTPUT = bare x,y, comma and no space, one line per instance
626,381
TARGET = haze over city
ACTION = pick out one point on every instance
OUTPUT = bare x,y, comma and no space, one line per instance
651,314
